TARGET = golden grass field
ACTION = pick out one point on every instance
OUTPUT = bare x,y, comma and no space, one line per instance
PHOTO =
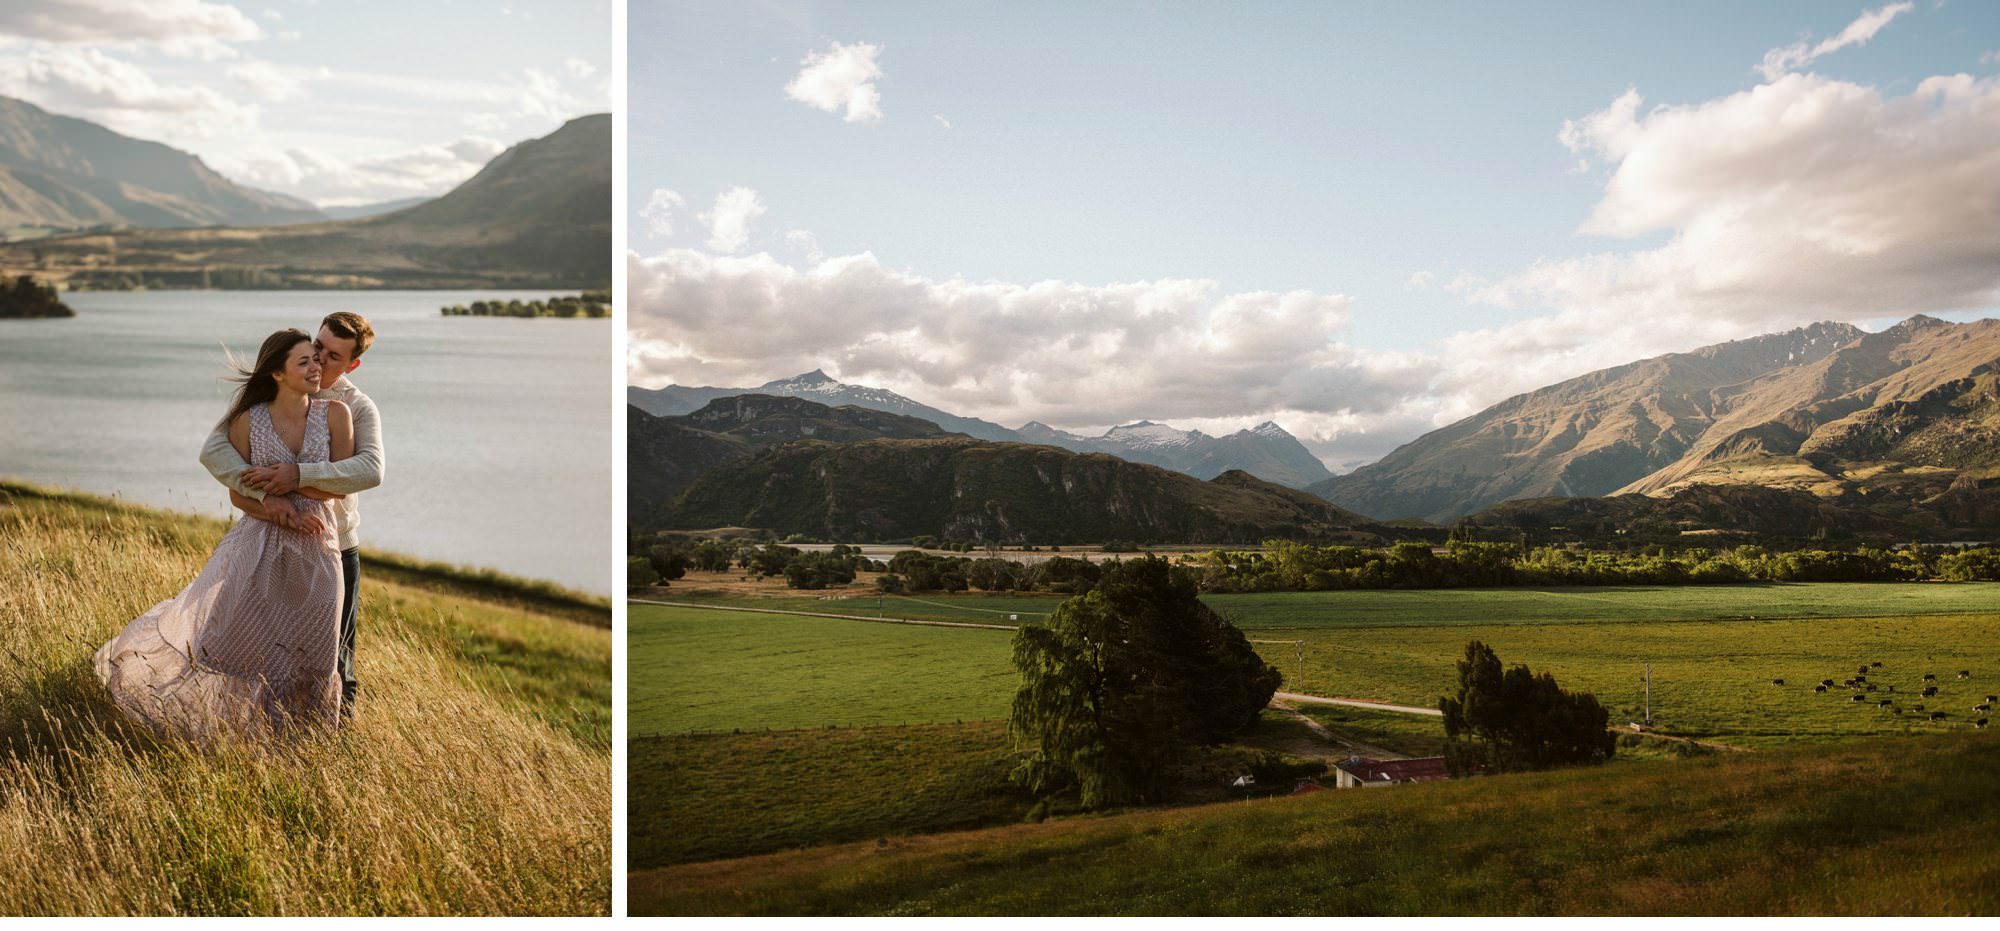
475,780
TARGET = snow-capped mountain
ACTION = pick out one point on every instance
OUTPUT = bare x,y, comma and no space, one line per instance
1266,451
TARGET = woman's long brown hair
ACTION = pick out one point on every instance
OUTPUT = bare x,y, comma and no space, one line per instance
258,385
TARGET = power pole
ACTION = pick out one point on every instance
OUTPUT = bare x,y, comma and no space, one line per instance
1649,694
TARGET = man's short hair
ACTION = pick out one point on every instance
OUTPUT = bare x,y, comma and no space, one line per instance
347,324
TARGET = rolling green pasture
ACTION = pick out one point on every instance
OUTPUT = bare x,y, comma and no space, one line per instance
695,670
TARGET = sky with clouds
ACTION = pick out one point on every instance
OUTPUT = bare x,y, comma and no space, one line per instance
335,101
1361,223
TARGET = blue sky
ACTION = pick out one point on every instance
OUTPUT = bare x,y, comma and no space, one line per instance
337,101
1364,158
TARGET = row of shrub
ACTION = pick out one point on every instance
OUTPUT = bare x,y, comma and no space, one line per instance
1287,566
582,306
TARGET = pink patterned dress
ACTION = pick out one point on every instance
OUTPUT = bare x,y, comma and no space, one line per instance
250,646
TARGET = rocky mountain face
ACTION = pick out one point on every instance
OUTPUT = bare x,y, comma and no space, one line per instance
665,455
1828,409
967,489
58,173
1266,451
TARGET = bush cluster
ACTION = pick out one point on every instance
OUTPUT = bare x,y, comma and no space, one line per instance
1288,566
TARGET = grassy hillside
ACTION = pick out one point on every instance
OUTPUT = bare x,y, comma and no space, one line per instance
476,779
1887,827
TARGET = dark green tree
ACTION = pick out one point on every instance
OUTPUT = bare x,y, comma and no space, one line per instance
1121,680
1516,719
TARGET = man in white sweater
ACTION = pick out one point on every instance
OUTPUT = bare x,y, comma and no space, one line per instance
343,337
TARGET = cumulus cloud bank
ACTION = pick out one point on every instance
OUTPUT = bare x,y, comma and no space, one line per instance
841,78
1061,352
1798,200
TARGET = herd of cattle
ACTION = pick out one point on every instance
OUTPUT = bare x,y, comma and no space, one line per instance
1860,685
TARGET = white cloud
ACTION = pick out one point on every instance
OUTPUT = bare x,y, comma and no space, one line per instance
1990,58
1779,61
273,15
1800,200
806,243
151,21
578,68
87,83
1061,352
658,212
941,121
543,95
843,76
729,220
265,80
1420,279
484,122
331,181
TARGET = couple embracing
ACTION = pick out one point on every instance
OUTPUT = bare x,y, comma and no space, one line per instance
263,639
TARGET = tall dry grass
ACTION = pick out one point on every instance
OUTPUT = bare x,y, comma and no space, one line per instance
476,780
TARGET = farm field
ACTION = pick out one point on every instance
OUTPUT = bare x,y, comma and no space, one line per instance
1396,607
695,670
1894,827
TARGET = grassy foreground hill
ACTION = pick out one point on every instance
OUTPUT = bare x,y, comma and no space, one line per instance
475,780
1891,827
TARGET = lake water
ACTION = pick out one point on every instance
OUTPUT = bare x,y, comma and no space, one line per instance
496,431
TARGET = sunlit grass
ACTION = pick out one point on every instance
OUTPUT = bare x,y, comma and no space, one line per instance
476,780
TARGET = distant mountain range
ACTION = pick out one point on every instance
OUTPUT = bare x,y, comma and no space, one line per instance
1827,409
62,173
960,488
537,216
1266,451
1826,432
667,454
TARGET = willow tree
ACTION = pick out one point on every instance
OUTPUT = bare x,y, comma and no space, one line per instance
1121,680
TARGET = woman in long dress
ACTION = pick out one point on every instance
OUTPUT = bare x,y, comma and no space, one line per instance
250,646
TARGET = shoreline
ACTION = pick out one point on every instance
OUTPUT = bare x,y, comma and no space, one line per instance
541,595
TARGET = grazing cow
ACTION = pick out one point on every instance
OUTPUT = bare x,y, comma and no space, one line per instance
1871,687
1939,716
1826,682
1964,674
1892,688
1859,698
1777,682
1884,703
1979,723
1862,671
1877,664
1993,698
1896,711
1930,692
1819,688
1930,677
1860,678
1982,707
1916,707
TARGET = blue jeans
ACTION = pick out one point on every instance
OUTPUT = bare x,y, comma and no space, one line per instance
350,574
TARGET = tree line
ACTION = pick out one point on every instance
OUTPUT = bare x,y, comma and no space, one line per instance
1288,566
587,304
